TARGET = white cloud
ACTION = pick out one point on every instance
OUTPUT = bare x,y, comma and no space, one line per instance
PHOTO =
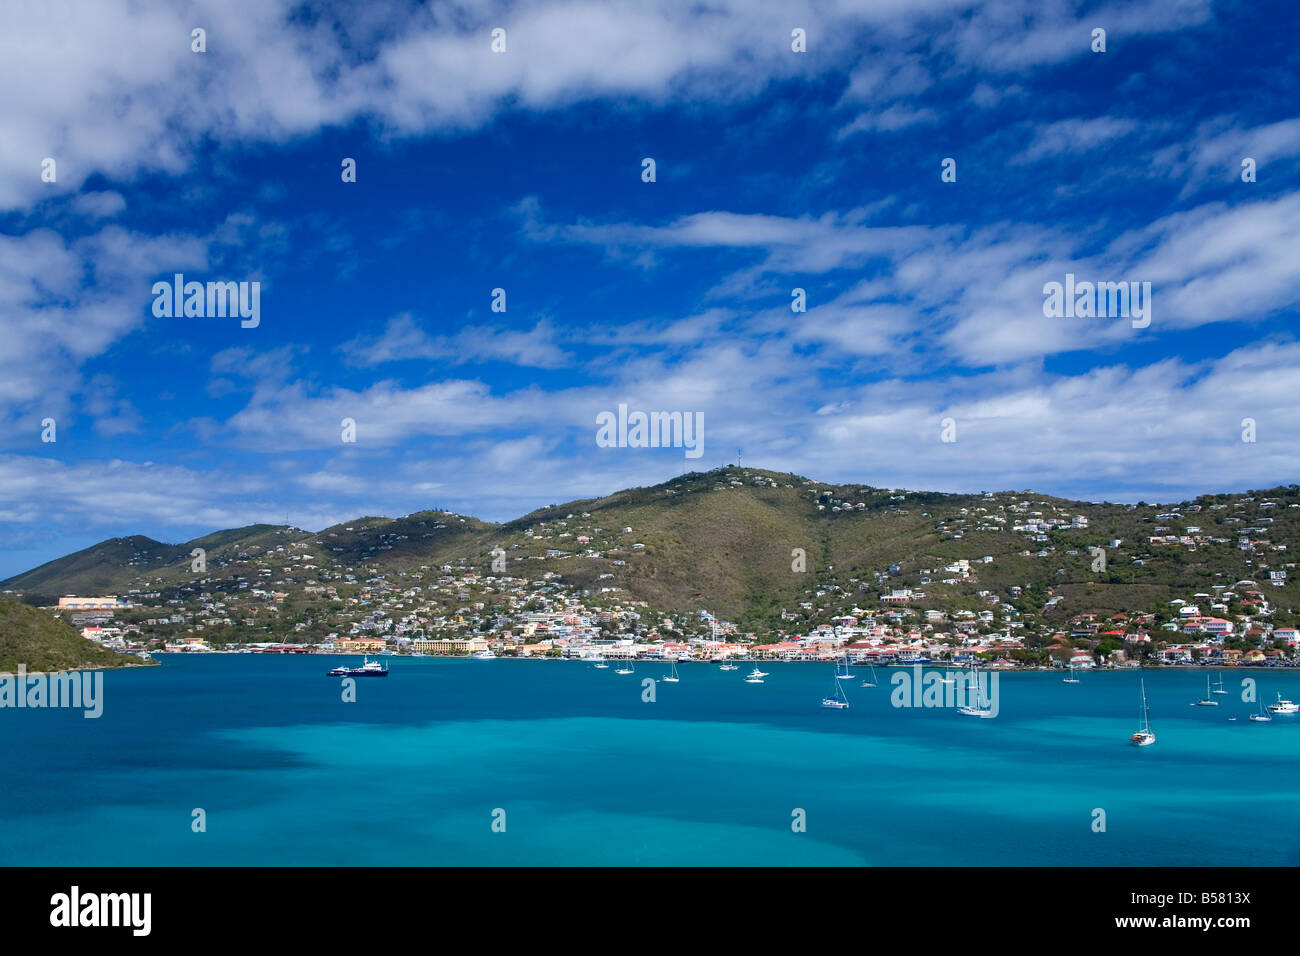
99,205
63,302
403,339
1073,137
976,296
1215,153
889,120
130,96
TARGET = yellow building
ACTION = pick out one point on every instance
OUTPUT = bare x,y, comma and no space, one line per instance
446,645
359,644
449,645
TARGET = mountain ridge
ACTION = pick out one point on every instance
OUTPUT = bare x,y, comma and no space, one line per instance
731,539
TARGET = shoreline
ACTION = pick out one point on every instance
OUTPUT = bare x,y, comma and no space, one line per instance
5,672
933,665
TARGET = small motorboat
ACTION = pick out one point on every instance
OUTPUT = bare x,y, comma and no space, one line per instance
1282,706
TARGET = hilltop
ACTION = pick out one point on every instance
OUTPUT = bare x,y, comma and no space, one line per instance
116,564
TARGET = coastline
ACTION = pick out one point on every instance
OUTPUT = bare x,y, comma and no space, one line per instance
7,672
932,665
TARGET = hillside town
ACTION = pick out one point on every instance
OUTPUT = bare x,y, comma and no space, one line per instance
513,617
563,585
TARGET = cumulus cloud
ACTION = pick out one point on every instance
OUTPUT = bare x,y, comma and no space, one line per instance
130,96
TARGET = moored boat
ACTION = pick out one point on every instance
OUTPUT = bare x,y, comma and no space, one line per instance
1207,701
1144,737
981,707
839,701
368,668
1283,707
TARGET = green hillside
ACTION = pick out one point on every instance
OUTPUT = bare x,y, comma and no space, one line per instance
116,565
731,541
45,643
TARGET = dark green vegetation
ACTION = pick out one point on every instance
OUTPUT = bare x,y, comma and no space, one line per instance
45,643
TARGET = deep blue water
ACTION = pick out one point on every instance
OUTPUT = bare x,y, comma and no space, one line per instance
588,773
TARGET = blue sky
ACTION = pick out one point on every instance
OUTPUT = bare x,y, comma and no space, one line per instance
522,170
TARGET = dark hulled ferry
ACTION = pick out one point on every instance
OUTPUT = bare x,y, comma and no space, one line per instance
368,669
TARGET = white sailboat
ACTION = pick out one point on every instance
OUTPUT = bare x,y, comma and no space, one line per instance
1207,700
872,682
842,669
1262,717
1218,687
1071,679
628,668
1144,737
981,707
839,701
672,678
726,666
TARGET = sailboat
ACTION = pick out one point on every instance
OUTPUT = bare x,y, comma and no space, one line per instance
725,665
981,706
1207,701
1262,716
839,701
1071,679
673,678
1218,687
599,662
1144,737
872,682
842,669
627,668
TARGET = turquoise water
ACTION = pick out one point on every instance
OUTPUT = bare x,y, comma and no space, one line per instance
588,773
